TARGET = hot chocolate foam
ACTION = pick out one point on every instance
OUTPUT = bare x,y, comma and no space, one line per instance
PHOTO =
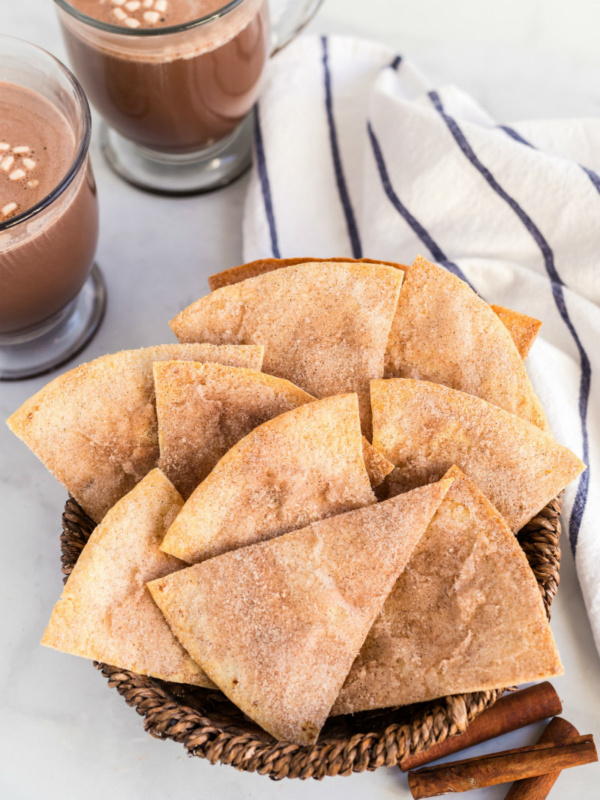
36,149
147,13
170,47
162,49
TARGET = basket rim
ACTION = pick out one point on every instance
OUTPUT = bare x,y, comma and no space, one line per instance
383,744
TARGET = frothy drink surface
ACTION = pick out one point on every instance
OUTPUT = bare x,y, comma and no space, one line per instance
37,148
147,13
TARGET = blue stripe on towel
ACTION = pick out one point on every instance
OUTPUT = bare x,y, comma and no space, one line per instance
337,159
559,298
593,176
433,247
515,135
263,175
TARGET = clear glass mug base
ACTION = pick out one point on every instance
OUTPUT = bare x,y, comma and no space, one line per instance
59,340
179,175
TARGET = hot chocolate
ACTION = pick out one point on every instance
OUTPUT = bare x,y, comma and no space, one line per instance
177,92
46,257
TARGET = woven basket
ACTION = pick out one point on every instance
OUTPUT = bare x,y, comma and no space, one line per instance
211,727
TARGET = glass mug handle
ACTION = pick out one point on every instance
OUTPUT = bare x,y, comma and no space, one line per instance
288,18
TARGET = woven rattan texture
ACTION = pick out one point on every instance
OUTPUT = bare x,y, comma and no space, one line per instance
211,727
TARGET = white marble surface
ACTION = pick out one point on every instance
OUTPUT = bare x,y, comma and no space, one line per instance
63,734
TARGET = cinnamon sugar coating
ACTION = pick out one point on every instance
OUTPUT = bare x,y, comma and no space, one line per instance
204,409
278,624
445,333
297,468
95,427
105,611
425,428
324,326
466,615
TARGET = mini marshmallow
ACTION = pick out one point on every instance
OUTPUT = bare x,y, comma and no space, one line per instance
9,208
22,150
132,23
118,2
133,5
151,17
161,5
4,146
29,164
7,163
33,184
148,3
119,14
17,175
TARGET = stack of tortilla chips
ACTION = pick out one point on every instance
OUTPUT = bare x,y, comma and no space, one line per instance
241,544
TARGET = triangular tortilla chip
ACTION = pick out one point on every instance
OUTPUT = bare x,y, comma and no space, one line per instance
523,329
204,409
324,326
425,428
300,467
445,333
95,427
466,615
105,611
277,625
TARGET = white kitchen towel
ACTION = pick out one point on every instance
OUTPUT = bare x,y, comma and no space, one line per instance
357,155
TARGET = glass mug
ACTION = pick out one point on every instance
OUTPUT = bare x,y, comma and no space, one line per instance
176,101
52,297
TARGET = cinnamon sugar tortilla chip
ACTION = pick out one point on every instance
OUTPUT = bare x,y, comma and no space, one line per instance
95,427
263,265
523,329
204,409
425,428
466,615
297,468
105,611
445,333
278,624
324,325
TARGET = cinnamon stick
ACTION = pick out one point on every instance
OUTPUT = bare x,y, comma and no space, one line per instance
557,731
504,767
513,711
